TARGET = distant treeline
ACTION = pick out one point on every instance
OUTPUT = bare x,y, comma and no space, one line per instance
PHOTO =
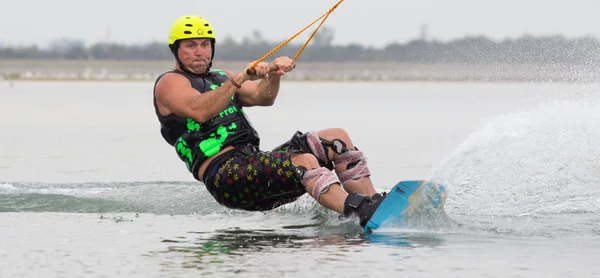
526,49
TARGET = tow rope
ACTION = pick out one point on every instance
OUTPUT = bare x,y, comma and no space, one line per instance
324,17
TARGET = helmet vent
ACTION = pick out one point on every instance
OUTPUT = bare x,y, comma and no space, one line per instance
210,31
189,25
206,24
187,32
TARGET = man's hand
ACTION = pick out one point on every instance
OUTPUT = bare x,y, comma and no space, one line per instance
283,64
261,71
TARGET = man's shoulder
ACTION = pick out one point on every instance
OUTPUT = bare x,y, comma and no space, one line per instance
170,79
171,75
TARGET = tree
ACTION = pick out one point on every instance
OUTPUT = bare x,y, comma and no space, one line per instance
323,37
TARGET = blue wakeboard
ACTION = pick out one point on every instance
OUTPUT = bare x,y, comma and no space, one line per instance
408,198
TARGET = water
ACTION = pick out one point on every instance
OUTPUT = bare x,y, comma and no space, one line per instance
88,189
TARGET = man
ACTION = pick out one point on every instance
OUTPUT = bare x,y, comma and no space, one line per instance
202,117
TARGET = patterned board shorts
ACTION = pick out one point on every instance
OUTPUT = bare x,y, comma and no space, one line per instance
254,180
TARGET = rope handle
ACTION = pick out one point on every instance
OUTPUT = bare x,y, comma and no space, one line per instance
252,71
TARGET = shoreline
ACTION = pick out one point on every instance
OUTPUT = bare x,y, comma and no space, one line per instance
131,71
316,80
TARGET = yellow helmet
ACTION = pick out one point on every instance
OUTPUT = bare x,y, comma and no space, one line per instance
191,27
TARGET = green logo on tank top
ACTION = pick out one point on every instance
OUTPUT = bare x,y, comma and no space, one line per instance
212,145
192,125
184,152
219,71
214,86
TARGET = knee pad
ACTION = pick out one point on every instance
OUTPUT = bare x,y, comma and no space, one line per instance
311,143
355,164
322,177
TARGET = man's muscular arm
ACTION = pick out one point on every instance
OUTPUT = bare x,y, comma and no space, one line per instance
174,94
265,92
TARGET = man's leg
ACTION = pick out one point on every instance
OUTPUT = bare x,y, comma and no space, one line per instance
334,147
324,186
350,163
255,181
314,168
319,180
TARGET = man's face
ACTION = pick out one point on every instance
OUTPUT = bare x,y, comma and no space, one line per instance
195,54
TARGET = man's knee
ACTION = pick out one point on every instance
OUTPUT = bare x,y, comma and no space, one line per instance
338,132
310,143
312,175
302,163
350,162
351,165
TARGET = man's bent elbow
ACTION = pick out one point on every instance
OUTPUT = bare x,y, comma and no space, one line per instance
266,101
197,115
269,102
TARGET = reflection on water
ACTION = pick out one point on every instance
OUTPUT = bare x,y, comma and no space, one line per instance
405,239
216,247
231,247
304,245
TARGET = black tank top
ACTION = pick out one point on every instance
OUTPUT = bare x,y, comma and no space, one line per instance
195,142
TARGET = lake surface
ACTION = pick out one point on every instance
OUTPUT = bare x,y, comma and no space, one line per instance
89,189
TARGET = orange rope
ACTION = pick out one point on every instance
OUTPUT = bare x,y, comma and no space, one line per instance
313,34
324,17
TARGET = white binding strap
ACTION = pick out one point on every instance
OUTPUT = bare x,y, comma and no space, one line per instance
322,178
314,142
357,171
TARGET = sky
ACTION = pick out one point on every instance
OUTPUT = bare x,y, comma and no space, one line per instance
370,23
